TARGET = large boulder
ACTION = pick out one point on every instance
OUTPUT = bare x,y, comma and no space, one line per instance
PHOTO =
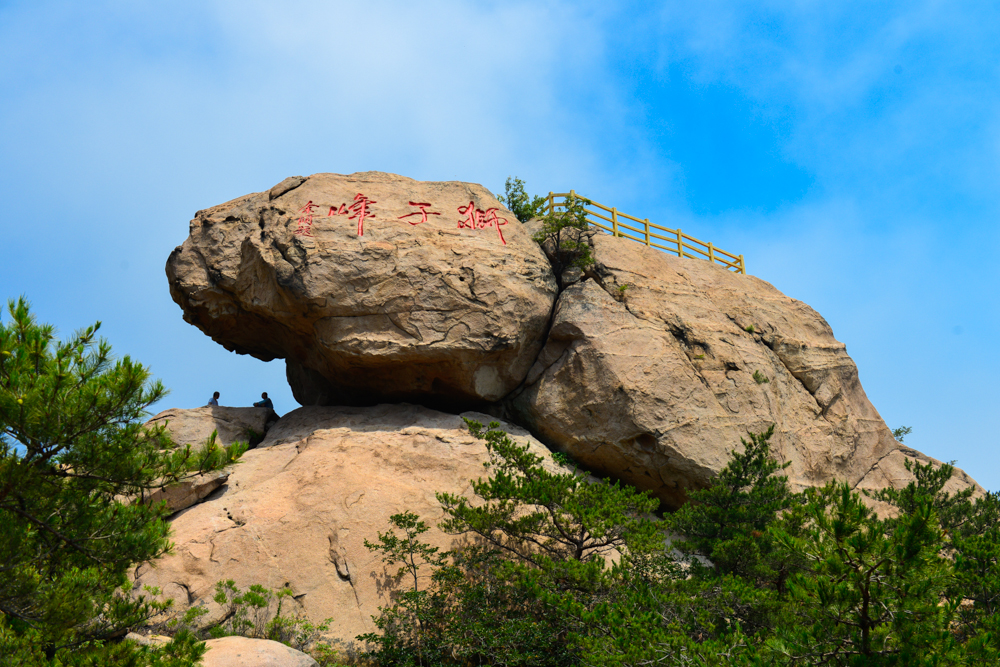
193,427
656,367
373,288
297,509
246,652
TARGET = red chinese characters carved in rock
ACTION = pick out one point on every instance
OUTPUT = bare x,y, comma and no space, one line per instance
477,218
423,213
306,219
359,210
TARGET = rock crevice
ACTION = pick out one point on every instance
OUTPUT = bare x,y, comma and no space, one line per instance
671,356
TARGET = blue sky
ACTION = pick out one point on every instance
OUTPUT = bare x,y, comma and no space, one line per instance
850,150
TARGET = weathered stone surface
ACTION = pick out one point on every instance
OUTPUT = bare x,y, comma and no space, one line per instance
297,509
655,384
193,427
890,471
245,652
392,305
148,640
188,492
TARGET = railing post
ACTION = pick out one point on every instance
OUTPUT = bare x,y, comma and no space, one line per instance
743,267
552,203
647,231
680,244
614,222
711,253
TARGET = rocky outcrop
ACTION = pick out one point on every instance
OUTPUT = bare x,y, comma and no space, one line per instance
650,368
193,427
187,492
296,510
653,371
245,652
890,471
372,287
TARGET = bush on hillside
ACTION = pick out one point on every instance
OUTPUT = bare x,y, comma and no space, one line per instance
518,202
557,569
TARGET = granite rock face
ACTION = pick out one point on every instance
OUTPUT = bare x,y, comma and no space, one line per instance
296,510
656,383
193,427
376,288
246,652
373,288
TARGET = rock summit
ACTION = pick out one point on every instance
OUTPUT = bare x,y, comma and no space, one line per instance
372,287
379,289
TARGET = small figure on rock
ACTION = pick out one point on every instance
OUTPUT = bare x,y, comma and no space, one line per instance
265,403
214,400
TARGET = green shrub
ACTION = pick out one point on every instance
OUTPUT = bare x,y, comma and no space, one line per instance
532,585
519,203
766,576
565,238
258,613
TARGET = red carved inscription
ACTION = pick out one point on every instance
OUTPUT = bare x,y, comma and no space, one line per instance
477,218
306,219
359,210
423,213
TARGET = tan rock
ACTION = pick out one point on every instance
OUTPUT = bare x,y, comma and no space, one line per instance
297,509
193,427
373,287
656,383
188,491
245,652
148,640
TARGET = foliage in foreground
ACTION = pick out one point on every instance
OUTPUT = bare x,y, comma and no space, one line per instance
258,613
559,569
75,465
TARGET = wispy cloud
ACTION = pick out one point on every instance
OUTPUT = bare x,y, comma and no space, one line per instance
851,150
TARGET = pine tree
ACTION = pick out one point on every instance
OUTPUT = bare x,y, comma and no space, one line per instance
873,590
75,465
518,202
727,522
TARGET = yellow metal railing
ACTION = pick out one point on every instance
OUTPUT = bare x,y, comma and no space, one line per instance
654,236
